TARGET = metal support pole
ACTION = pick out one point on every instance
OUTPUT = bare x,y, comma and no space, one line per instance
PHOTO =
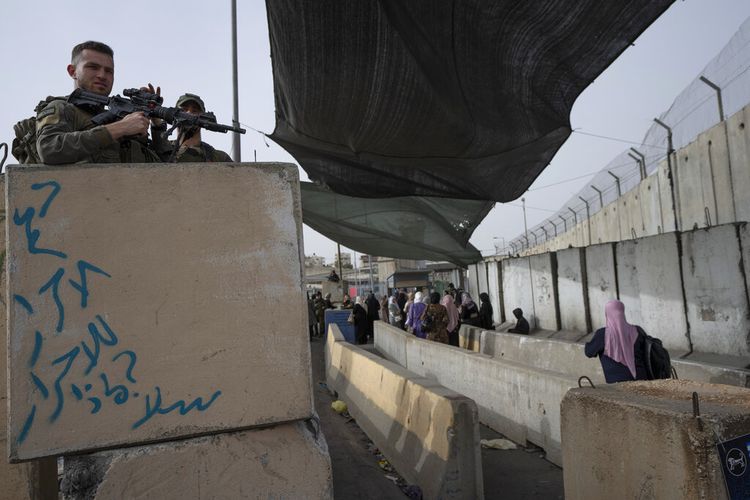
369,263
525,227
575,216
718,95
641,161
535,240
546,236
588,214
236,152
601,198
617,182
670,173
565,223
555,226
341,270
726,138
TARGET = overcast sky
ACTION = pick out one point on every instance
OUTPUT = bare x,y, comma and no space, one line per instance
186,47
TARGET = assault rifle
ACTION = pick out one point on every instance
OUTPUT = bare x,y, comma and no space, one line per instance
149,104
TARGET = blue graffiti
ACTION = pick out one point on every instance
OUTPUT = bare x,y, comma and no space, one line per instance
37,349
131,365
98,338
24,303
55,190
40,385
32,235
122,391
26,425
54,285
76,392
97,405
70,356
180,405
82,287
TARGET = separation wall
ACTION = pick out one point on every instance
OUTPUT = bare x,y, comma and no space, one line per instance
690,289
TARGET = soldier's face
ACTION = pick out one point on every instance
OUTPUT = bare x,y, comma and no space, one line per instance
94,72
191,107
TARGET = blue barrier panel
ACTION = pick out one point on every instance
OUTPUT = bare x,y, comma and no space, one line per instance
339,317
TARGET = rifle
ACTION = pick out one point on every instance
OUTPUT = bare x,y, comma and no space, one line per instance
149,104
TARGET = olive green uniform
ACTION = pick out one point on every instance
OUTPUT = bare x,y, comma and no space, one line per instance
204,152
65,134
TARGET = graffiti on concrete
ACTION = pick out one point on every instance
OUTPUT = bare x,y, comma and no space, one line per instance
95,370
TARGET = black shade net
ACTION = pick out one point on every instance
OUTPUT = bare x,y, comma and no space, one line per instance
409,227
459,99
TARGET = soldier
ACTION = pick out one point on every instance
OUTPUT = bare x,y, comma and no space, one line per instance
64,132
189,146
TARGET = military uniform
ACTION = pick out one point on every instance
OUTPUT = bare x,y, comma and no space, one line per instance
65,134
203,152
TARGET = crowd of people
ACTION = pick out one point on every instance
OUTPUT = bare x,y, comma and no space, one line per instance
425,314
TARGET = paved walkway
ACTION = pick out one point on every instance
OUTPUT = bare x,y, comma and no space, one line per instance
509,474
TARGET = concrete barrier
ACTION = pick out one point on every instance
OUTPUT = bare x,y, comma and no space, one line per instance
522,402
429,433
129,319
469,337
569,359
641,440
284,461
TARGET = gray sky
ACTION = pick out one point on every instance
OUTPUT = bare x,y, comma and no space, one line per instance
185,47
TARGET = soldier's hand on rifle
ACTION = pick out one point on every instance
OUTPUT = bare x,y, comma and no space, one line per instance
150,88
132,124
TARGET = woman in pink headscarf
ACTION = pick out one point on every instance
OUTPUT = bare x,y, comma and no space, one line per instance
619,346
453,322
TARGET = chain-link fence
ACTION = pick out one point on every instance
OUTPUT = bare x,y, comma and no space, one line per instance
722,89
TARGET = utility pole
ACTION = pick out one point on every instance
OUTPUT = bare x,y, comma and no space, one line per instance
236,153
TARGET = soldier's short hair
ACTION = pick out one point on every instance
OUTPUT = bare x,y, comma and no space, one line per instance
90,45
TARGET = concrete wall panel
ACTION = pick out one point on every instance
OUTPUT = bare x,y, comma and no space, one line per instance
143,303
517,285
544,281
570,284
715,287
650,287
739,149
493,289
602,284
665,191
284,461
694,187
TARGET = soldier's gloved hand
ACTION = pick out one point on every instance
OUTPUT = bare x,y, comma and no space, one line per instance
150,88
133,124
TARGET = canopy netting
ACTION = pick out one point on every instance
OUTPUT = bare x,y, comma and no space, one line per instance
470,99
410,227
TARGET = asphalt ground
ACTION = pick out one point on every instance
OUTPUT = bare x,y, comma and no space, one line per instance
519,474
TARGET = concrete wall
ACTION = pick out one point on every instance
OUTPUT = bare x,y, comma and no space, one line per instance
711,187
716,290
429,433
602,281
571,285
142,299
652,446
284,461
522,402
650,286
